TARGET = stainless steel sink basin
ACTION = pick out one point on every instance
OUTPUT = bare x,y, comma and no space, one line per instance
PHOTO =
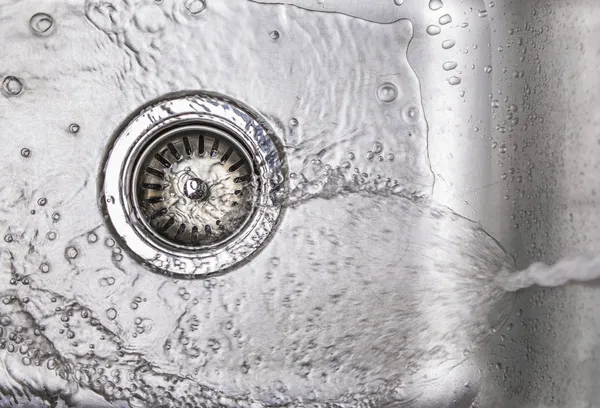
411,149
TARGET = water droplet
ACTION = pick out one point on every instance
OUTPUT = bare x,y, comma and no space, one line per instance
433,30
398,2
454,80
487,69
42,201
482,13
12,86
195,6
464,25
435,4
111,314
274,35
447,44
44,268
449,65
41,23
293,122
71,252
74,128
55,217
377,147
387,92
8,238
25,152
445,19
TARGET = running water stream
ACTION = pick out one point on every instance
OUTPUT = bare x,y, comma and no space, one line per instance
576,269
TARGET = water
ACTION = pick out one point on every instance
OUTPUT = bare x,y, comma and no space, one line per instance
369,293
576,269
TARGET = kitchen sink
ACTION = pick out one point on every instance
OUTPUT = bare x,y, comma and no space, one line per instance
299,203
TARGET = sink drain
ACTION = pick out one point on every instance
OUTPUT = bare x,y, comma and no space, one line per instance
189,184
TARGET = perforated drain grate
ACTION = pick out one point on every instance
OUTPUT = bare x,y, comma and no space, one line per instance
189,184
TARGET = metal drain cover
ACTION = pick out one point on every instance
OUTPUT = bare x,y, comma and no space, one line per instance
189,184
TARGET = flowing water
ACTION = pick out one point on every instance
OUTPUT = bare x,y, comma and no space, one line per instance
365,293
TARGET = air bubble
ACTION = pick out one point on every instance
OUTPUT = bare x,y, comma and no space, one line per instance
435,4
370,155
42,201
92,238
387,92
377,147
25,152
111,314
445,19
41,23
195,6
449,65
351,156
109,242
71,252
44,268
274,35
55,217
391,157
447,44
8,238
51,235
454,80
12,86
433,30
293,122
74,128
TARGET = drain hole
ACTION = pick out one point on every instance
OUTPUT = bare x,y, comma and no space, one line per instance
192,180
199,193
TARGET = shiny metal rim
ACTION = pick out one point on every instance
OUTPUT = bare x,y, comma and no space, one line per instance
152,130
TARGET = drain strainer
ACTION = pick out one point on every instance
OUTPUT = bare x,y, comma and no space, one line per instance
190,184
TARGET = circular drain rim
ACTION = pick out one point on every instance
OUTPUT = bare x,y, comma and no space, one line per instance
203,109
